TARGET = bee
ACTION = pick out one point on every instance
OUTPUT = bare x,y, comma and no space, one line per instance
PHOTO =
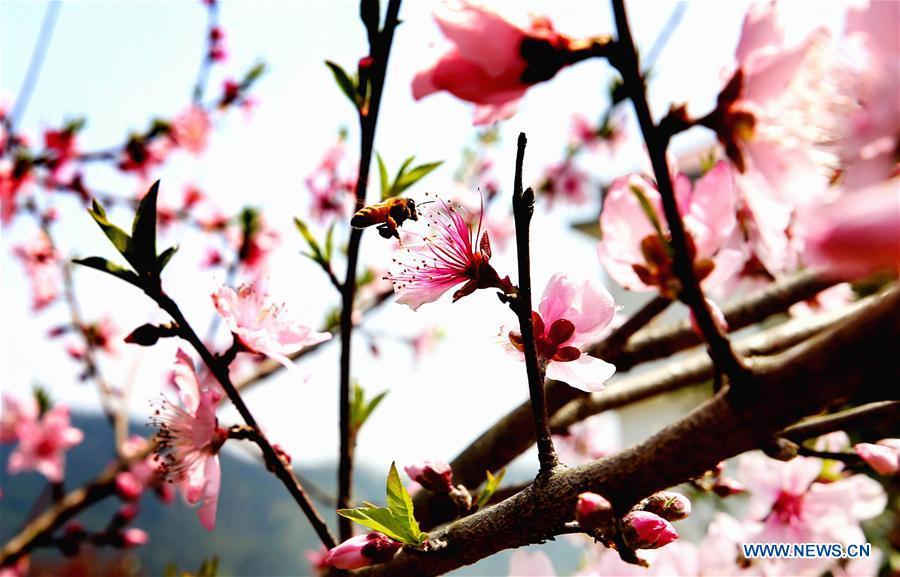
388,215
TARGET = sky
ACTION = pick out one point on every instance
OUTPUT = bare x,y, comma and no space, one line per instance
118,64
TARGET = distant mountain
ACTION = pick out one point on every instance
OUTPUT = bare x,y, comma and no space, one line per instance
259,531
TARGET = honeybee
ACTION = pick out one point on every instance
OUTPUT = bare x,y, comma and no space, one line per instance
388,215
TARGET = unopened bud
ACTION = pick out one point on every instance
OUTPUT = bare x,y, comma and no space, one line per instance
134,537
461,497
436,476
146,335
669,505
362,550
726,487
125,515
646,530
882,457
593,511
128,487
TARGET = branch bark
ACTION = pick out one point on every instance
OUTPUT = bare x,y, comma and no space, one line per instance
797,383
380,49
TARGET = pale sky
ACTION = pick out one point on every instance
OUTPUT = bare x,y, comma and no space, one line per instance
120,63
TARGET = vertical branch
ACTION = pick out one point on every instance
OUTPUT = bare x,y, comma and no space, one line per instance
212,9
625,59
380,47
523,209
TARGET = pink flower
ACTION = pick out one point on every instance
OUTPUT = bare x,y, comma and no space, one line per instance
260,325
794,508
141,474
568,318
42,267
777,109
645,530
858,233
883,456
141,155
133,537
426,341
606,138
530,564
191,129
635,236
15,176
62,148
332,192
189,439
566,182
15,413
590,439
870,135
43,444
362,550
444,258
492,62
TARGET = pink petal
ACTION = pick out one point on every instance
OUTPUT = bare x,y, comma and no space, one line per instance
483,36
585,374
210,500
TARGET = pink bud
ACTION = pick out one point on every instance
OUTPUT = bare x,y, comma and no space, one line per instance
669,505
435,476
726,487
645,530
128,486
593,511
126,514
885,460
134,537
362,550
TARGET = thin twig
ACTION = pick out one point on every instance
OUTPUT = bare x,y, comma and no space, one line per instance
523,209
34,65
869,416
368,119
212,11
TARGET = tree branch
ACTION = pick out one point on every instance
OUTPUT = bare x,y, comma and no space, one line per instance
523,209
625,59
368,118
869,416
797,383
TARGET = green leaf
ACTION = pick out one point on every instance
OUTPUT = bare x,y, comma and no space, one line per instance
413,176
253,75
116,235
360,407
316,254
490,487
329,243
378,519
143,232
370,406
112,268
344,82
401,505
165,257
385,179
396,520
648,210
403,168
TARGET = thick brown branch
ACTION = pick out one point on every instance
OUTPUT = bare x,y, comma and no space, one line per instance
513,434
797,383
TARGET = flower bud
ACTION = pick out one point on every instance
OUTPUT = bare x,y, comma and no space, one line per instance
883,459
436,476
646,530
669,505
125,515
726,487
593,511
362,550
145,335
134,537
128,487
